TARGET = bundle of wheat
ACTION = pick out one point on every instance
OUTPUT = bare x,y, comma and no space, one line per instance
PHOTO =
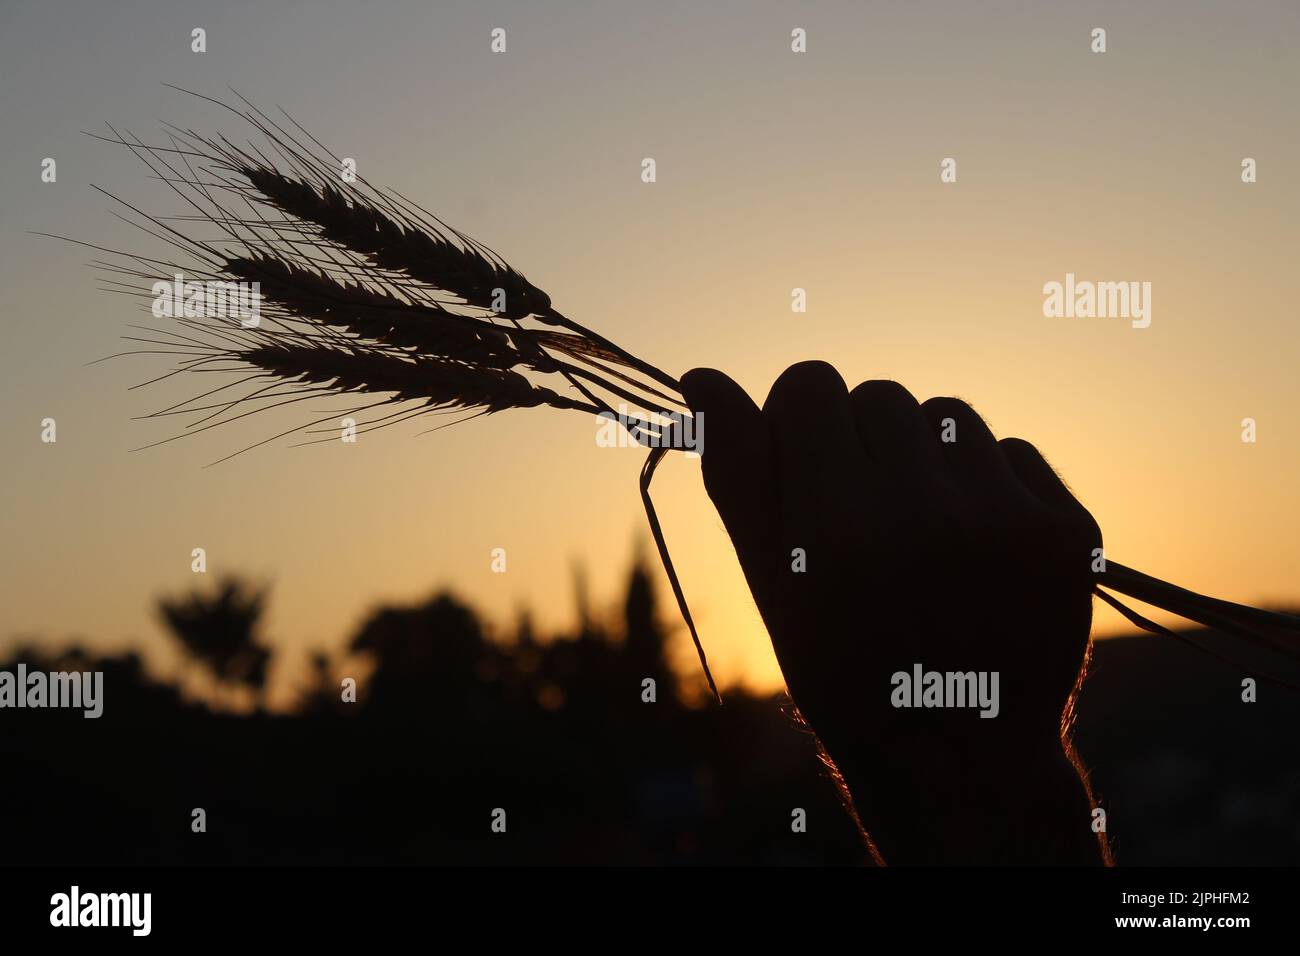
365,293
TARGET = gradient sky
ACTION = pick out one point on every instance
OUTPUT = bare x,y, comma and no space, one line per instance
775,171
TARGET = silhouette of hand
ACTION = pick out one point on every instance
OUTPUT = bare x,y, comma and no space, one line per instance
882,540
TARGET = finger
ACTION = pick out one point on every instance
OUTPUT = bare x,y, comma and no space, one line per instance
820,462
971,450
1034,472
895,433
736,460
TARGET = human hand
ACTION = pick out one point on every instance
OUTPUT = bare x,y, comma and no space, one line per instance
878,534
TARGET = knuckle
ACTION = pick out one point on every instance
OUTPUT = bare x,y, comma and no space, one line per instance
810,379
946,407
883,391
1018,447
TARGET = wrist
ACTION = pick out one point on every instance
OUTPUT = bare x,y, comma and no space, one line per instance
937,807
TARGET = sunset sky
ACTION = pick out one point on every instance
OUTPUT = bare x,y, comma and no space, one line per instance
775,170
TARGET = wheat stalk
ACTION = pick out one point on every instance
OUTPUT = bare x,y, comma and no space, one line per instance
369,294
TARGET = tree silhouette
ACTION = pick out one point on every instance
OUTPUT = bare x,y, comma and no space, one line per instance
644,636
432,658
221,631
